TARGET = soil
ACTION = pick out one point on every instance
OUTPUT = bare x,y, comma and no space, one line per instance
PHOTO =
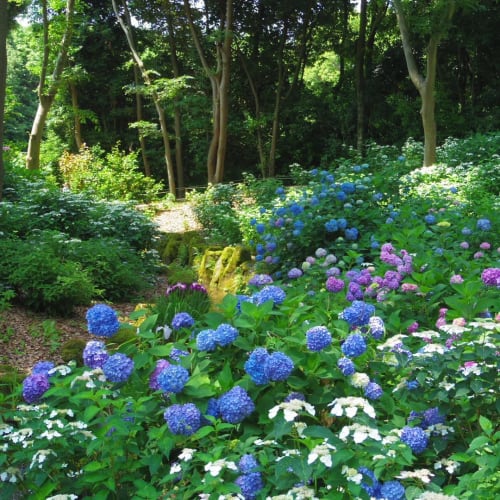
27,337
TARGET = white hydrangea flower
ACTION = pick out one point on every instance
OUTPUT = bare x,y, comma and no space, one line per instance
40,457
447,386
321,451
427,334
214,468
50,435
359,433
350,405
424,475
291,409
5,429
453,329
359,380
265,442
300,427
10,475
352,474
429,350
391,342
297,493
63,497
187,454
450,465
288,453
429,495
175,468
53,423
21,435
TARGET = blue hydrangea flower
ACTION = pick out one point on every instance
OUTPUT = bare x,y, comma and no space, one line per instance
261,279
331,226
43,367
376,327
213,408
270,292
248,463
35,386
295,273
373,488
235,405
278,366
254,365
95,354
102,320
348,187
206,340
351,234
432,417
225,334
483,224
415,438
183,419
392,490
295,395
177,354
161,364
318,338
357,314
342,223
260,228
373,391
346,366
250,484
182,320
412,385
354,345
118,368
173,378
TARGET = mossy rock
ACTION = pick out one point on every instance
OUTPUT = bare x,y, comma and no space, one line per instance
72,350
10,378
181,247
126,333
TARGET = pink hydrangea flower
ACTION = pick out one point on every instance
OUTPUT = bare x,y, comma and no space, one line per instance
464,245
456,279
485,245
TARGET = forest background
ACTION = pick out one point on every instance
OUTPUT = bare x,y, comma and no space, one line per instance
203,92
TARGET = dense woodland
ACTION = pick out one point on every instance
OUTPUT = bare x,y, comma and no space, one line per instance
207,91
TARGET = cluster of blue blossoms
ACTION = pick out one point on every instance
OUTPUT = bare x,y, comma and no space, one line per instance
250,480
318,338
37,383
223,335
264,367
390,490
102,320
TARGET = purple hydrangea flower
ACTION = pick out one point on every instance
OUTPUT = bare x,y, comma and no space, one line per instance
161,364
182,320
432,417
354,345
295,395
415,438
206,340
35,386
225,334
95,354
358,314
118,368
183,419
260,280
254,365
278,366
173,378
373,391
346,366
250,484
102,320
318,338
43,367
354,292
334,285
235,405
491,276
270,292
295,273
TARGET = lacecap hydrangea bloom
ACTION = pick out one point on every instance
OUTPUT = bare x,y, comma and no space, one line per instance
173,378
235,405
357,314
95,354
118,367
182,320
318,338
183,419
102,320
354,345
416,438
35,386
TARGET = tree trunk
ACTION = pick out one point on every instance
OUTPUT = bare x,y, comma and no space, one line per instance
360,79
126,25
142,140
3,83
47,94
219,81
425,86
76,114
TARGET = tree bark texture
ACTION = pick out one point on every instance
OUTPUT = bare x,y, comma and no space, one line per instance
3,83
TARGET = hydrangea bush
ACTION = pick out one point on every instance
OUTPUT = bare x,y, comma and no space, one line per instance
355,373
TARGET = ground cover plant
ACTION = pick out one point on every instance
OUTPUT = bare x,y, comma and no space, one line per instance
360,361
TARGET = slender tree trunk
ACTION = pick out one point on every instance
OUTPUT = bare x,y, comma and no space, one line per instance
3,83
179,153
360,78
425,86
219,81
47,93
76,114
126,25
142,140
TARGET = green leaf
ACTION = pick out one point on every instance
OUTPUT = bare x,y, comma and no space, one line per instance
318,431
486,425
91,412
478,442
160,350
93,466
